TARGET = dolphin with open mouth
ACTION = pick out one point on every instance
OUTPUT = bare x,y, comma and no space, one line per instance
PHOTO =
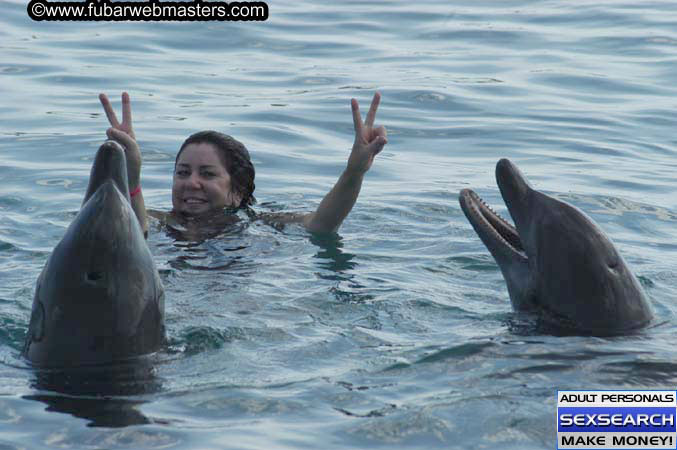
99,298
556,261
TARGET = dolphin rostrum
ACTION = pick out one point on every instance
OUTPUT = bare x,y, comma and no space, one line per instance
99,298
556,261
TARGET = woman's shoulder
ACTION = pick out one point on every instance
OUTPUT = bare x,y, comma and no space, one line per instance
281,217
170,221
161,216
278,220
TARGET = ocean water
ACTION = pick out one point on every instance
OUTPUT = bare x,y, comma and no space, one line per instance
398,330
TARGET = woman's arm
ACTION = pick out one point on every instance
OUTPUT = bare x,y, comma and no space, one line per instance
335,206
123,133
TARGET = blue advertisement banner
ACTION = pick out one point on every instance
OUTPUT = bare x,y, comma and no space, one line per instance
616,419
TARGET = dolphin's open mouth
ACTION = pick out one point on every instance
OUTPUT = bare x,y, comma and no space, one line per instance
496,232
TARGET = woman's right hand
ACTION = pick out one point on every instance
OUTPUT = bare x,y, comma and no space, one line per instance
123,133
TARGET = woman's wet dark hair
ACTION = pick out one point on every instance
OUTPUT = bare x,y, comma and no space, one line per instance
234,157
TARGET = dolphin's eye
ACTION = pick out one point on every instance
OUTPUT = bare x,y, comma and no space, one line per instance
93,276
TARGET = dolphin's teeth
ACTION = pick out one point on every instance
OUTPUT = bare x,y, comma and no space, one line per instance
492,210
500,228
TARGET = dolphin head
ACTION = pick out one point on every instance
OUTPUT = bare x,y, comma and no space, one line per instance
556,261
99,298
109,167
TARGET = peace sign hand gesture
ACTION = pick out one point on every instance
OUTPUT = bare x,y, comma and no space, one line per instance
123,133
369,140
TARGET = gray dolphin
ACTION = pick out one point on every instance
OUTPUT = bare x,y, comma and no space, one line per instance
556,261
99,298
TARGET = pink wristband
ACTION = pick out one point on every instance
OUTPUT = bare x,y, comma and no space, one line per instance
135,191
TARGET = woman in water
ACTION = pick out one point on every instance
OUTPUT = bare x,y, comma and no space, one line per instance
213,171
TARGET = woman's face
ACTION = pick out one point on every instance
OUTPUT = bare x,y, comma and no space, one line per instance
201,182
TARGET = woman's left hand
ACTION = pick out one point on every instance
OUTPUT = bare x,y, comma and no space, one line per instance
369,139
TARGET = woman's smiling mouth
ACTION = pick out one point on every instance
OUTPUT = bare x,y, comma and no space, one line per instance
194,200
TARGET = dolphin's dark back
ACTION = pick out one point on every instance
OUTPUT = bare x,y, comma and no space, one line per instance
99,298
581,275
